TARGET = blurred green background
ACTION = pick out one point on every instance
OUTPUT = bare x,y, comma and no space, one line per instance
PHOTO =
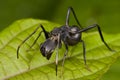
104,12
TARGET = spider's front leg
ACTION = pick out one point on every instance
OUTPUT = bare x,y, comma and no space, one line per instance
45,34
43,30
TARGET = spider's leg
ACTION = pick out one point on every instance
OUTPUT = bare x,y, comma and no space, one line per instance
45,33
100,33
84,52
84,55
64,57
29,37
35,40
70,9
25,41
56,60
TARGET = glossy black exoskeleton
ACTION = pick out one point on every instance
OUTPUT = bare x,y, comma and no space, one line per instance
69,35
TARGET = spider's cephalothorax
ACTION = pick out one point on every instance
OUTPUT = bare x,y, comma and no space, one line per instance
66,34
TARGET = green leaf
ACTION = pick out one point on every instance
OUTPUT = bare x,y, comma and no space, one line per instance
31,65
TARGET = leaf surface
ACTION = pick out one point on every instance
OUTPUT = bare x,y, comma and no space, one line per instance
31,65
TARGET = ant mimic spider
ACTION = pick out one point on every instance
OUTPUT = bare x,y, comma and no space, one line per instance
69,35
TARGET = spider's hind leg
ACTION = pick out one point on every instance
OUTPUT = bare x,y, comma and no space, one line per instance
100,33
84,55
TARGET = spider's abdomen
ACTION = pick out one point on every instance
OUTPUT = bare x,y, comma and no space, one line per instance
74,39
74,36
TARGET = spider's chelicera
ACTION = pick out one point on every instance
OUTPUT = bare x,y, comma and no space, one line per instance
69,35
